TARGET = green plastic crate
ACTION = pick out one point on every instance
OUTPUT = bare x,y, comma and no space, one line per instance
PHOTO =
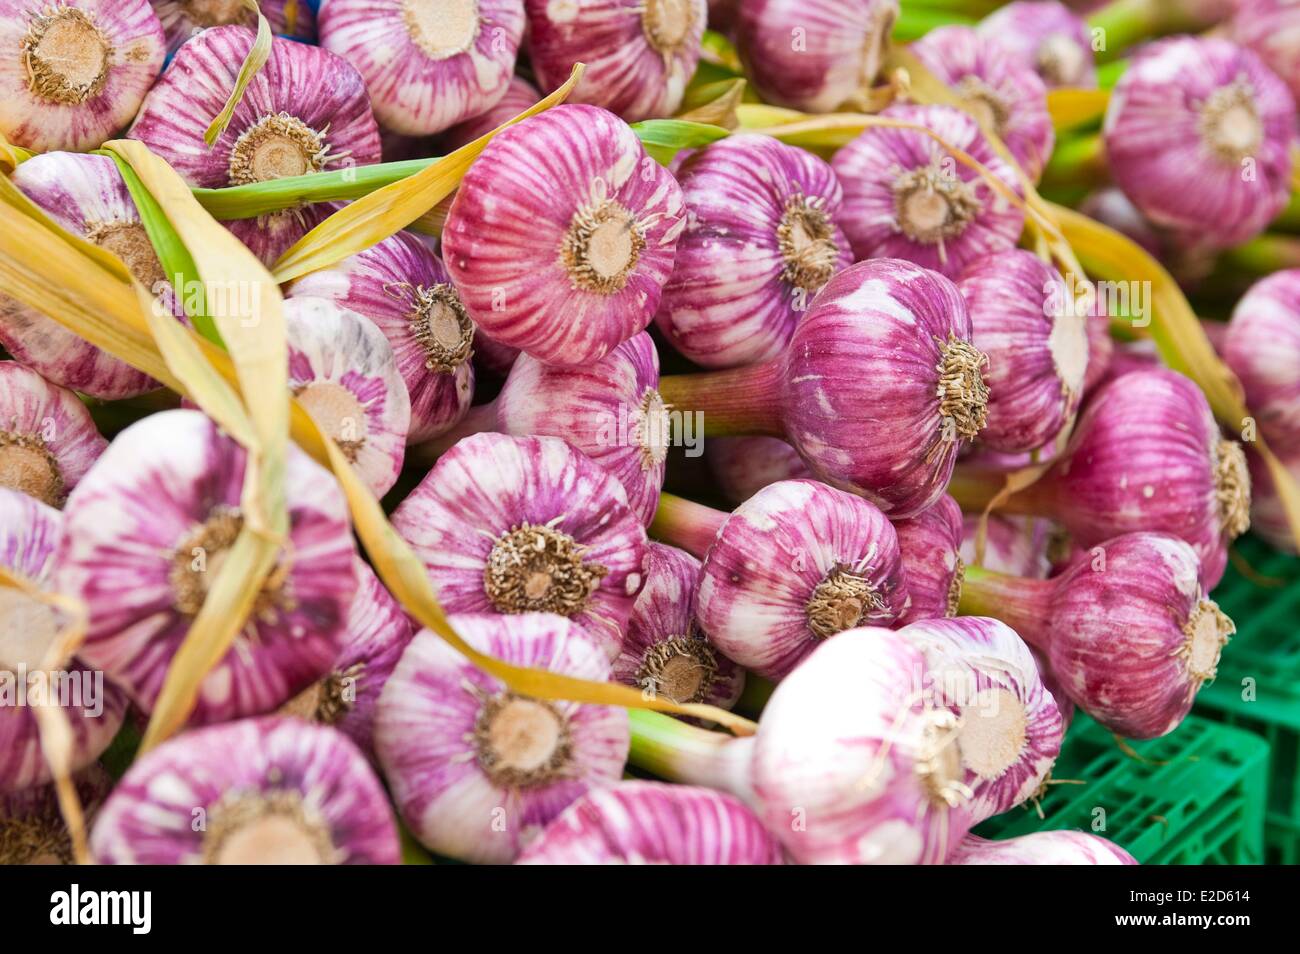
1195,796
1258,684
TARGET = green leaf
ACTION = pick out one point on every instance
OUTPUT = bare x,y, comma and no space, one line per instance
336,185
257,56
664,138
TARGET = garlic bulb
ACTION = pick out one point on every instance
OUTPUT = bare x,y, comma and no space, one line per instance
1268,514
1271,30
1049,38
762,239
149,526
742,466
1041,848
86,196
1262,346
665,653
814,56
640,54
477,770
182,19
637,823
29,535
266,791
47,438
342,371
561,235
1015,545
74,71
32,830
527,524
402,287
1026,321
1198,135
905,197
932,567
305,111
1006,96
519,95
427,65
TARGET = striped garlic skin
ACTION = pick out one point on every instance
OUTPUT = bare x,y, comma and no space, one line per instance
532,213
1036,341
848,755
932,568
489,485
315,99
181,19
150,818
883,167
426,65
154,516
664,614
85,195
334,355
742,466
393,283
769,562
1262,346
1041,848
435,759
1000,89
103,56
862,375
843,46
640,54
48,439
1271,30
649,823
1047,37
762,239
519,95
609,410
1267,514
29,535
1014,545
1011,726
1212,189
32,830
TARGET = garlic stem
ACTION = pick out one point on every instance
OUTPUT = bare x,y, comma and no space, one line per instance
1128,22
736,401
686,524
1023,604
1078,161
689,755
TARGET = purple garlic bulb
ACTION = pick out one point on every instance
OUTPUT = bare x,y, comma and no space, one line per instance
267,791
930,544
742,466
650,823
1198,135
477,770
32,829
640,54
181,19
1267,514
527,524
519,95
1041,848
148,529
762,239
1049,38
562,235
1271,30
905,197
1015,545
1262,346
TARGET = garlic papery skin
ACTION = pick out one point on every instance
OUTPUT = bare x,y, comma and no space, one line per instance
1262,346
932,567
32,830
268,791
519,95
1127,629
402,287
742,466
1198,135
762,239
793,566
1011,728
1047,37
428,64
48,440
528,524
665,653
1015,545
93,707
305,111
1005,95
650,823
73,72
477,770
640,54
376,632
855,761
562,235
342,371
1267,513
1026,321
814,56
1271,29
1041,848
144,536
906,197
182,19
